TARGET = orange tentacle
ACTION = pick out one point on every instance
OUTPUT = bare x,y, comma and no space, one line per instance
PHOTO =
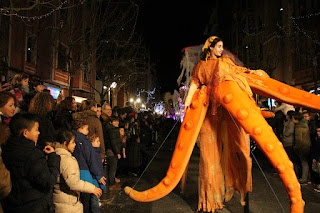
269,87
249,116
185,143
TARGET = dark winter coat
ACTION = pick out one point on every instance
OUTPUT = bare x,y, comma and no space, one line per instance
315,151
47,131
145,132
33,176
63,120
302,138
134,154
288,134
113,140
95,127
89,162
5,182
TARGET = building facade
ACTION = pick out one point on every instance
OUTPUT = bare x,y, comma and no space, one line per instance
51,44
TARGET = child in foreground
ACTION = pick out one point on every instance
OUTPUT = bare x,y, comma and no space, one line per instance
95,141
90,165
66,196
33,175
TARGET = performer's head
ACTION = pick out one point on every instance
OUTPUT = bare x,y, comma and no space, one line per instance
212,48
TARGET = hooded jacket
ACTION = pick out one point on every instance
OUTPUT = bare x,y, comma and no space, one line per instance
66,196
89,163
302,138
95,127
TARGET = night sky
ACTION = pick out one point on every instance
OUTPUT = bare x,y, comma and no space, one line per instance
167,29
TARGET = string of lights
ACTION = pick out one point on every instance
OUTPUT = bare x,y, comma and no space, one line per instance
306,16
7,12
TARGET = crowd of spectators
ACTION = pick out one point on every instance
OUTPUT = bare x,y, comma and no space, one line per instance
61,156
299,131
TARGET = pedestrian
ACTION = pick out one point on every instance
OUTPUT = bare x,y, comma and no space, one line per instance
66,196
42,105
315,156
135,157
7,106
113,147
5,181
302,145
95,141
33,172
63,117
88,110
90,165
288,139
19,87
36,86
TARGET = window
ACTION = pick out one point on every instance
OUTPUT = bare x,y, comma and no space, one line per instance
62,57
86,72
31,49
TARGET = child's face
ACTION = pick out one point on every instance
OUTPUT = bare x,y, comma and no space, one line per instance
39,88
33,133
25,82
121,131
318,132
96,142
115,123
84,129
72,145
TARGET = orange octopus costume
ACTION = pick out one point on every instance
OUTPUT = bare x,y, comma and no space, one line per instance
222,110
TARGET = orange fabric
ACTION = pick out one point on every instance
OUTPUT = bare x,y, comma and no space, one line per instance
221,139
214,71
225,163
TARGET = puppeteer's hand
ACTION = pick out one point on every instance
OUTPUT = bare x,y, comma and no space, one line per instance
192,89
260,73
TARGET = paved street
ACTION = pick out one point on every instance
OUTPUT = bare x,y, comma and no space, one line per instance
261,200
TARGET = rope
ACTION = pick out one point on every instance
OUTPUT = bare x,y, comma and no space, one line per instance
155,154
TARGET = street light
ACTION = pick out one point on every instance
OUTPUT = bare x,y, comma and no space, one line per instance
113,85
138,100
131,100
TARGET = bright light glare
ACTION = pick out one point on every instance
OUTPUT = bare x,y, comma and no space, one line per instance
113,85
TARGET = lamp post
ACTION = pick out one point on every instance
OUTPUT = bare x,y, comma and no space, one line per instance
112,86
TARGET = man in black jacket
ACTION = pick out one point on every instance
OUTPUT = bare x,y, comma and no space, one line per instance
113,146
